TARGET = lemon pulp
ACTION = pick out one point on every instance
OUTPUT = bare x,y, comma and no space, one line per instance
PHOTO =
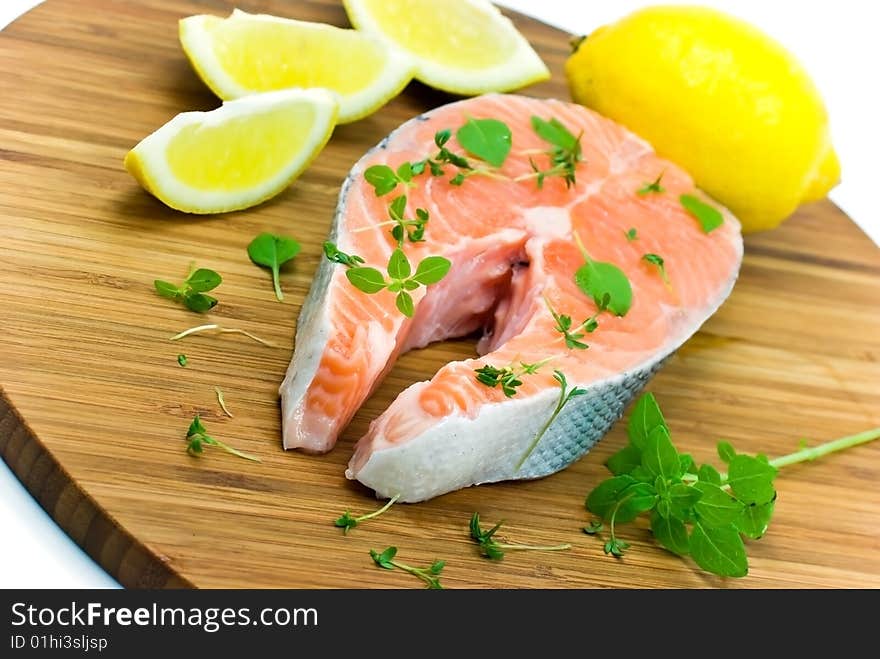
292,57
463,39
241,152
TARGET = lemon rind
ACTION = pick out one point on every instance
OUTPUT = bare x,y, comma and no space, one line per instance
147,161
396,74
524,67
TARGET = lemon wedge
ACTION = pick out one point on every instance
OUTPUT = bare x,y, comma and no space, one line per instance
465,47
246,54
236,156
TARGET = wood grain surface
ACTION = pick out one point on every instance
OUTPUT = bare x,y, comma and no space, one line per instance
95,407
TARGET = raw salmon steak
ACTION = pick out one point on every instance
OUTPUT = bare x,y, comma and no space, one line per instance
514,253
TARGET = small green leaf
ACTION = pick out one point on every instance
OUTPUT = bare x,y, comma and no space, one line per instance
555,132
635,500
682,498
271,251
196,427
751,479
719,550
710,218
203,280
335,255
431,270
663,508
441,137
671,533
182,360
642,475
437,567
605,496
382,178
606,284
594,527
754,519
384,558
405,172
726,451
652,188
199,302
368,280
708,474
632,235
398,265
488,139
646,416
405,304
659,456
625,460
687,463
397,207
715,507
167,290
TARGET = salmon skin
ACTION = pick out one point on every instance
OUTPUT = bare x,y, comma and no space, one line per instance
513,248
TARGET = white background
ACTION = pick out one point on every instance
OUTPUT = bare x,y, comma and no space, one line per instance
836,41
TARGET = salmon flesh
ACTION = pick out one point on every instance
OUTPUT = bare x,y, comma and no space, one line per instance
514,252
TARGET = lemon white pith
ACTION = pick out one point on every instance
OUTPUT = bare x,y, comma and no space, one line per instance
236,156
251,53
467,47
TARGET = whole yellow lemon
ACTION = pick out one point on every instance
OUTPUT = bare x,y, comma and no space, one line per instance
718,97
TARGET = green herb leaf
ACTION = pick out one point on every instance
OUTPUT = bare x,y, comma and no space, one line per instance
182,360
397,207
708,474
687,463
632,235
604,497
398,264
203,280
594,527
335,255
167,290
565,155
754,519
197,437
646,416
494,550
555,132
441,137
653,188
726,451
607,285
751,480
382,178
271,251
656,260
431,270
405,172
671,533
682,498
199,302
625,460
348,521
383,559
368,280
405,304
715,507
635,500
710,218
488,139
719,550
659,457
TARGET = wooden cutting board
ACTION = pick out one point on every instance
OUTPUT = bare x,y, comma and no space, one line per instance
95,407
